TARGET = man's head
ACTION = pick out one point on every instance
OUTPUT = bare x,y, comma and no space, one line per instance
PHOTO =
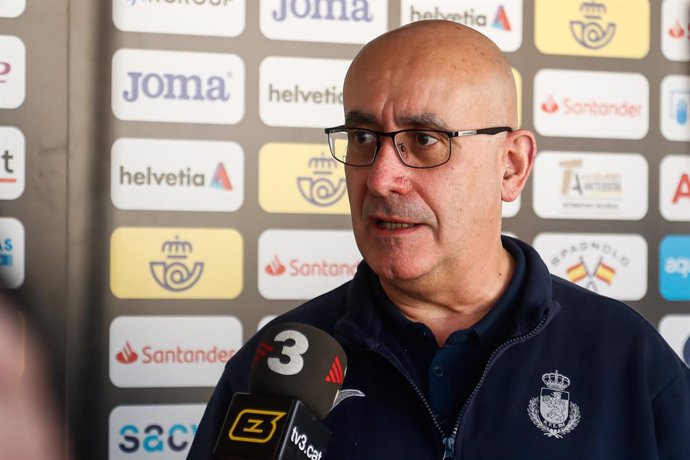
413,224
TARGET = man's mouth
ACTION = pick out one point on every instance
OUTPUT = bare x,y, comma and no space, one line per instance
393,225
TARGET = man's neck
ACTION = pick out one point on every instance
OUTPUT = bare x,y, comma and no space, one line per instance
456,303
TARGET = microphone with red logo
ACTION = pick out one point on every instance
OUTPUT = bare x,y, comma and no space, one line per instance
295,378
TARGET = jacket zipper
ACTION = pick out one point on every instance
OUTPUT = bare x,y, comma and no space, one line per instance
449,441
450,445
446,440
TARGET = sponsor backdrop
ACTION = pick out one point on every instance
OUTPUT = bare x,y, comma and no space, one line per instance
166,187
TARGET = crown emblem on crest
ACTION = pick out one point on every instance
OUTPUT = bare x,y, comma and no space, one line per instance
176,247
593,8
555,381
552,411
322,163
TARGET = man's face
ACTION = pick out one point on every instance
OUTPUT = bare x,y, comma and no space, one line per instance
411,223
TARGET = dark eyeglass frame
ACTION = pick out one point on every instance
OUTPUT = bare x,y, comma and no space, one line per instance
379,134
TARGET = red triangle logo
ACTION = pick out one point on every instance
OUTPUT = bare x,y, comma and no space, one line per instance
335,375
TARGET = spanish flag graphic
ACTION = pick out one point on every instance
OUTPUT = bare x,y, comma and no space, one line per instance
605,273
577,272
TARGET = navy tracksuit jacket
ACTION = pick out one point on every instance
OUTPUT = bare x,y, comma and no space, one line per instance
581,376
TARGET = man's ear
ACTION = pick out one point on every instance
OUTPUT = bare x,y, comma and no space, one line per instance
519,151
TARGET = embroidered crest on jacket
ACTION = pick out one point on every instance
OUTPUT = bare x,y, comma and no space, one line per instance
552,412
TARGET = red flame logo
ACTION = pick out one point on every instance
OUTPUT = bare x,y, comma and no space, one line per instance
676,31
127,355
550,106
275,268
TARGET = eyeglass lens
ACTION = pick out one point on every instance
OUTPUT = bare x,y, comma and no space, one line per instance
357,147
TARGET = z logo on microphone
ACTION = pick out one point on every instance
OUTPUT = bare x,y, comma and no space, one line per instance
255,425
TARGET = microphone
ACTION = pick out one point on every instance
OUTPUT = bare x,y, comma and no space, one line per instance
294,380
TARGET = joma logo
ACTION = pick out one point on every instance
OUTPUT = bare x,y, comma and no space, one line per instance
341,10
175,87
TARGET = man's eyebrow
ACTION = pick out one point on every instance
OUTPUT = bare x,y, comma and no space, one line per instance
423,120
356,117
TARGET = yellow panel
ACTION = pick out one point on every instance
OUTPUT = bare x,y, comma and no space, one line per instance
301,178
604,28
518,85
176,263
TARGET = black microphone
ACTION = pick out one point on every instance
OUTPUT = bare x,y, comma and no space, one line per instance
294,380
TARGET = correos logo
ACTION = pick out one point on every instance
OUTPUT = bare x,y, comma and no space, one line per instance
301,92
500,20
603,28
329,21
169,263
591,104
153,431
613,265
175,86
674,188
222,18
300,264
12,72
593,185
172,351
301,178
177,175
12,8
674,267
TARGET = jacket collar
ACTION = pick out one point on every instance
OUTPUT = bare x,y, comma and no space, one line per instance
362,325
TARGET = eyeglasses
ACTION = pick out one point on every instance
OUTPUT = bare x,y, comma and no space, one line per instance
417,148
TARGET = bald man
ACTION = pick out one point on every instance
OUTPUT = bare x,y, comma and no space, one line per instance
461,345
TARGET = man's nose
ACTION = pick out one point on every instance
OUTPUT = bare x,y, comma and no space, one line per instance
388,174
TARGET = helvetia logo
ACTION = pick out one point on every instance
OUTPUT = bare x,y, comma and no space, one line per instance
220,179
275,267
127,355
683,189
501,20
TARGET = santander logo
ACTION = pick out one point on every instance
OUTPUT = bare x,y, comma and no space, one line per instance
127,355
275,267
676,31
550,105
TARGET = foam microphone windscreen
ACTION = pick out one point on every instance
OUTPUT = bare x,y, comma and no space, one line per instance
301,362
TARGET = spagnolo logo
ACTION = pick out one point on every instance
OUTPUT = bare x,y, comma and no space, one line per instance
613,265
592,30
321,188
176,272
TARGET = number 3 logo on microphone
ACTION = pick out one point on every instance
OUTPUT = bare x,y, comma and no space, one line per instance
293,352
